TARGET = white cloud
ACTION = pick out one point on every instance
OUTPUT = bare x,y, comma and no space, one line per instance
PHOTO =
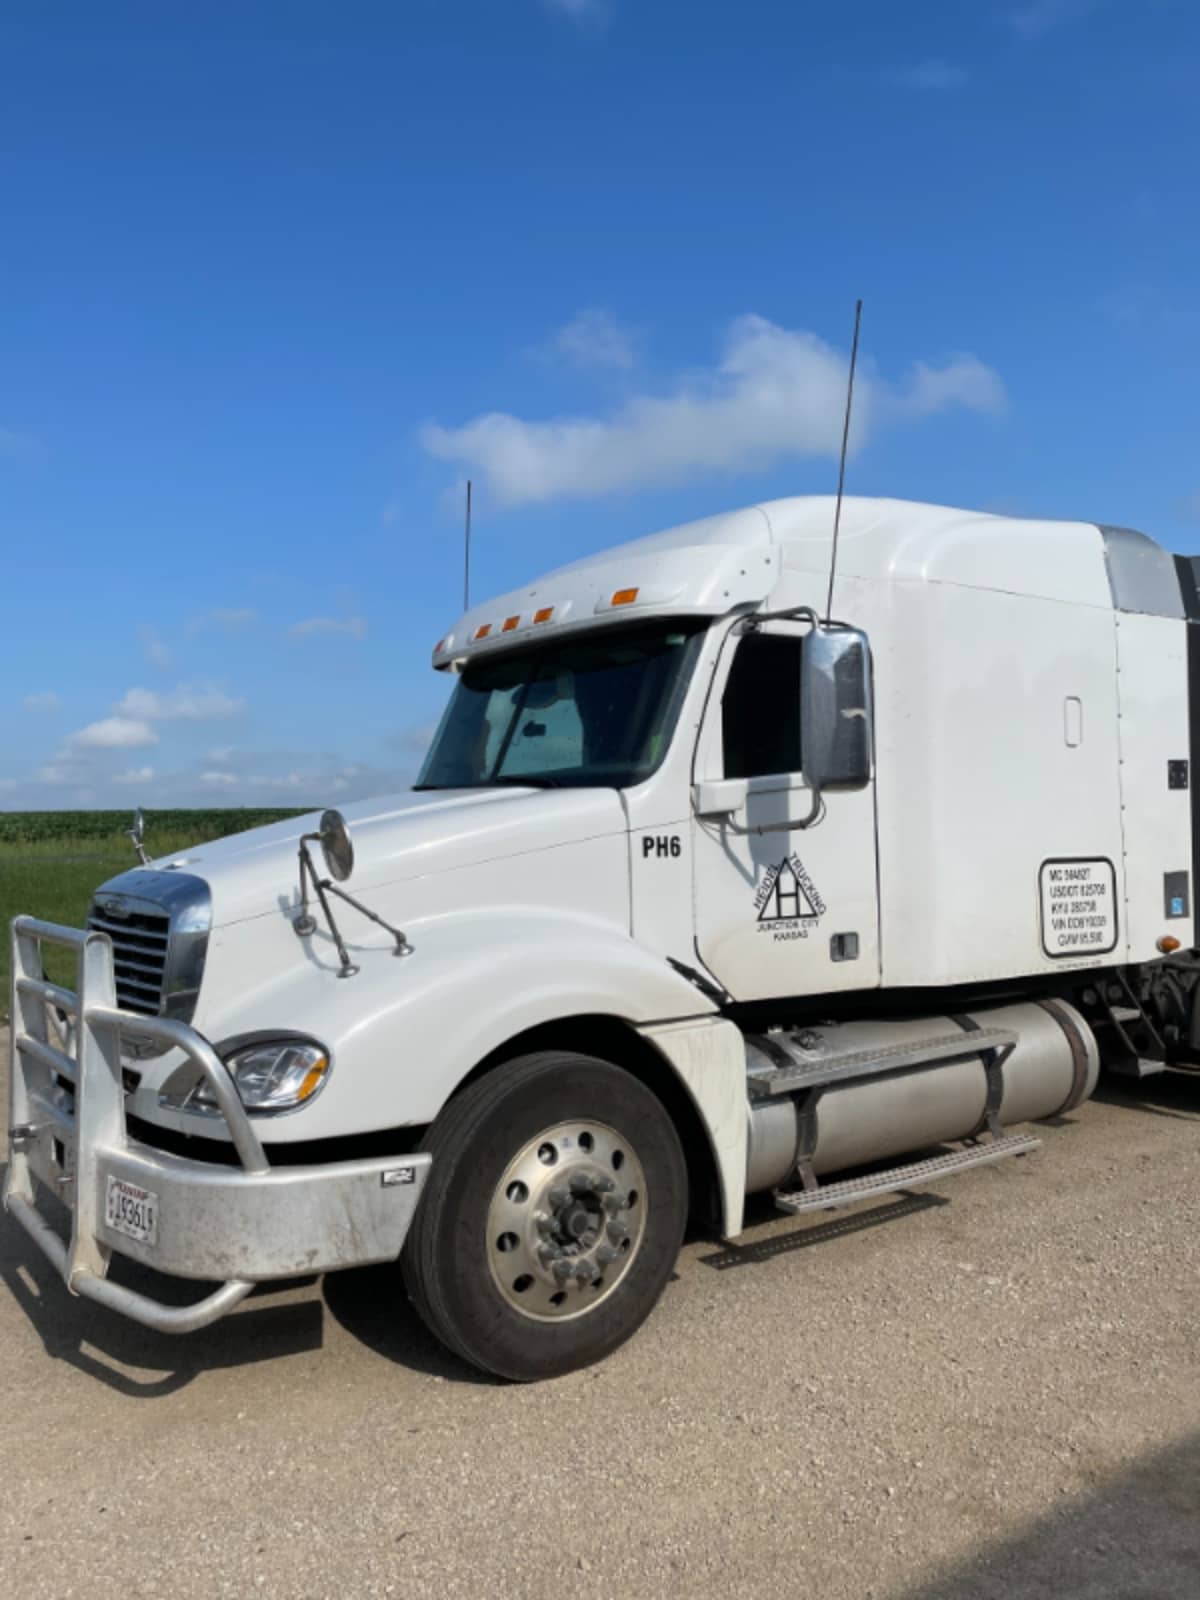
933,73
43,703
219,780
153,648
775,393
1031,21
135,775
7,784
964,381
54,773
114,733
184,704
291,780
356,627
594,338
221,756
391,513
228,619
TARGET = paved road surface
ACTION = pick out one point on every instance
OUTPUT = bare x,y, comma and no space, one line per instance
992,1391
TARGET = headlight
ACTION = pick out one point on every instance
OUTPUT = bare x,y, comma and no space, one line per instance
272,1075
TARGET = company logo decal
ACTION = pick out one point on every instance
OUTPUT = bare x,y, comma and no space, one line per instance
788,902
115,905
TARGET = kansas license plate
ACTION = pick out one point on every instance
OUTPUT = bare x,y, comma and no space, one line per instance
130,1210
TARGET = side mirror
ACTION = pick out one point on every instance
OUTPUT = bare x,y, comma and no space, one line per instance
835,708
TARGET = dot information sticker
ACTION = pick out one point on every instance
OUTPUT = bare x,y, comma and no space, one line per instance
1079,907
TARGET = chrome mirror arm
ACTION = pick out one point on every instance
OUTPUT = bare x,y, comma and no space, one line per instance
306,924
403,948
813,817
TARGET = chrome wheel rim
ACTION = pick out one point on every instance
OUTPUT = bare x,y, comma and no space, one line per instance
567,1220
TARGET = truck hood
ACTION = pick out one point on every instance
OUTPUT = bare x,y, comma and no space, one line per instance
397,838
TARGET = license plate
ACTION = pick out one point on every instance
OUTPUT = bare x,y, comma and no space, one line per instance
131,1211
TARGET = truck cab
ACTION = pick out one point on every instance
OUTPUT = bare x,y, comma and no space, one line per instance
723,874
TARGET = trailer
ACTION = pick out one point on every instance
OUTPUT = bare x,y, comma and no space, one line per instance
720,878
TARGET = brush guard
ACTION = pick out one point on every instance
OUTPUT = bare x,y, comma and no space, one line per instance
242,1225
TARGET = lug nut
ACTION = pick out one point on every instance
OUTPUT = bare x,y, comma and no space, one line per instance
606,1255
558,1198
544,1221
615,1231
563,1270
581,1184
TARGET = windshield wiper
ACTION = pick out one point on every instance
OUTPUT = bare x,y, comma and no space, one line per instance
508,779
513,780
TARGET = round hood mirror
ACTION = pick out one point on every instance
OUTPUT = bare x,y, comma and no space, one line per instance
336,845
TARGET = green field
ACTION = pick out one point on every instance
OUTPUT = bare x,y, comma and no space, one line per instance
51,861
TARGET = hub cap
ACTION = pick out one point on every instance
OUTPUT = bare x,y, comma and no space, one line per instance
566,1220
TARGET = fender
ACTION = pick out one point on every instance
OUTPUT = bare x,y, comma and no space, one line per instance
403,1033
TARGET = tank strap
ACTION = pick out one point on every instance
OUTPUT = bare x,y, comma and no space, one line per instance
993,1064
1078,1049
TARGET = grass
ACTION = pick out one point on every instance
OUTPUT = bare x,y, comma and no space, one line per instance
50,872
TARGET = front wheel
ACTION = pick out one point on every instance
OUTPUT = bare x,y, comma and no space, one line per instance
552,1216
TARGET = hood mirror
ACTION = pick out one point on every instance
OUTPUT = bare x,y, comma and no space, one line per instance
336,845
137,834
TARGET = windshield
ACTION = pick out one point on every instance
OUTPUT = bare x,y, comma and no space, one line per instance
597,709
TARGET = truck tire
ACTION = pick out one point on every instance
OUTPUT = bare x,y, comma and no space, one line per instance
552,1216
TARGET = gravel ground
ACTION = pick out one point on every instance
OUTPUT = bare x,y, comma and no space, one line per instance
992,1390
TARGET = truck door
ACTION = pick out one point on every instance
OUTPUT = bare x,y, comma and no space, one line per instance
785,911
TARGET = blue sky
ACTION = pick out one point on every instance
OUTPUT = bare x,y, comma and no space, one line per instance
275,278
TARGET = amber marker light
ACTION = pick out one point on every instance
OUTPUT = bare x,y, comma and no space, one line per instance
1168,944
313,1079
509,624
543,614
624,597
482,631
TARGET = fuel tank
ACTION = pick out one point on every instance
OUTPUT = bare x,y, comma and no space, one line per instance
1053,1067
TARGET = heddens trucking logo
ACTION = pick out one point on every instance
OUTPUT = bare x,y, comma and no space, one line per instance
788,901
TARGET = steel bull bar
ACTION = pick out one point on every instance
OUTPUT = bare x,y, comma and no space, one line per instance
196,1220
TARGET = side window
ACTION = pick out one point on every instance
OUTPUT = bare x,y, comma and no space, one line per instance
760,711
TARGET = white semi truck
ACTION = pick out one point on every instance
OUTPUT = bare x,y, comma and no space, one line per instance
704,890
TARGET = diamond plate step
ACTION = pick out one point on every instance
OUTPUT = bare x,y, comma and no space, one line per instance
913,1176
802,1073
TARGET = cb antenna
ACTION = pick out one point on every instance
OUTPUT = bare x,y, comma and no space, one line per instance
467,554
837,515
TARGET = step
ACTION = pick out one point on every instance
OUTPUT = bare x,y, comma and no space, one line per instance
800,1073
1135,1067
1125,1014
913,1176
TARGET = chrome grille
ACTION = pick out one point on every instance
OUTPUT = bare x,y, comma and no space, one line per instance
140,943
158,921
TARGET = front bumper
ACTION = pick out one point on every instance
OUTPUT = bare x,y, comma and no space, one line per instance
200,1221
